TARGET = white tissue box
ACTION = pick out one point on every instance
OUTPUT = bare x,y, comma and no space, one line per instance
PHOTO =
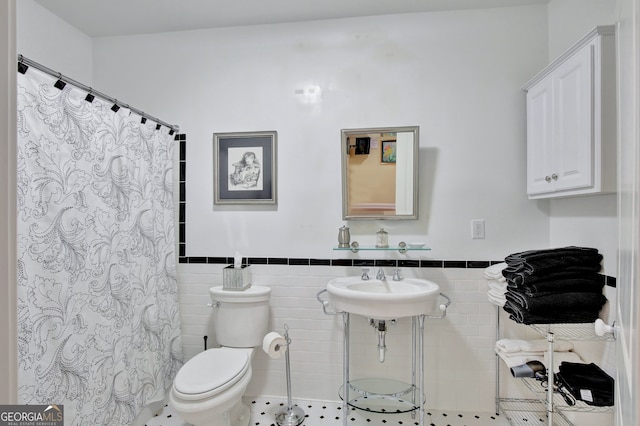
236,278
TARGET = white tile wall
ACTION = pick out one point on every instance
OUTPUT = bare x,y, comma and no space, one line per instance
458,349
461,365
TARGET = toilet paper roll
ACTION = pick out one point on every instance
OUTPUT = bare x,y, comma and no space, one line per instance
274,345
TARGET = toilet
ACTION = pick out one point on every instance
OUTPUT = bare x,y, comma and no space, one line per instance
208,389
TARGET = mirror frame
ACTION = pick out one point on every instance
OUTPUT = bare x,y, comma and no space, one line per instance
345,133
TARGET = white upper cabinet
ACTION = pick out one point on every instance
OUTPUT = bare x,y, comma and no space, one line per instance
571,121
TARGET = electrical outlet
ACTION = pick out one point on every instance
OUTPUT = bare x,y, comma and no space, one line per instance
477,229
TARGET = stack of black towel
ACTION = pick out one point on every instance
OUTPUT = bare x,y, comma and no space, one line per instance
560,285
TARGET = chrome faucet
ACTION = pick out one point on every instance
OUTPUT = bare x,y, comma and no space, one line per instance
396,275
365,274
380,274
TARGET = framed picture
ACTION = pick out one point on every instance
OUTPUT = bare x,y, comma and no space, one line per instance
388,152
362,146
244,168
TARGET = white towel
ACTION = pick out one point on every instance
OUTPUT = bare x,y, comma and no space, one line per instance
497,298
513,361
497,285
495,271
539,346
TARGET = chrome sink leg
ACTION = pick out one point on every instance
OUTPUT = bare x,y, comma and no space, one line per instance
422,392
414,344
345,370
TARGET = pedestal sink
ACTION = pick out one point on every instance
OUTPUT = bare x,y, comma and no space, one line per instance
384,299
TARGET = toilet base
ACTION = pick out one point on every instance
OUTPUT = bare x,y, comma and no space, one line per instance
238,415
225,409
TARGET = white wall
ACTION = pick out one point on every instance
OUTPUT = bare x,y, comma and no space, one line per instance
457,75
8,265
569,20
52,42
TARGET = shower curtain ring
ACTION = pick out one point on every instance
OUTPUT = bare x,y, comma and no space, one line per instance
90,97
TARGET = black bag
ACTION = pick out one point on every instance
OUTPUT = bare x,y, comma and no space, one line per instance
587,383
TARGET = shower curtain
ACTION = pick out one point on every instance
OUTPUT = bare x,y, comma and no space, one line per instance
99,327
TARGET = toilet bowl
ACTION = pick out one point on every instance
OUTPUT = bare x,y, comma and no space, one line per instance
208,389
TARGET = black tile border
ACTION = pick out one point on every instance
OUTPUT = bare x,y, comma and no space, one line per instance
182,206
358,262
393,263
610,281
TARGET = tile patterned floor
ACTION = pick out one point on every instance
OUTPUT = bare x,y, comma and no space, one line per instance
321,413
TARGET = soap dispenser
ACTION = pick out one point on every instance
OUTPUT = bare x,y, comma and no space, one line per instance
382,239
344,237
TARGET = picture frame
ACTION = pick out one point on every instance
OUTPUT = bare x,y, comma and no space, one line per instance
388,152
363,145
244,169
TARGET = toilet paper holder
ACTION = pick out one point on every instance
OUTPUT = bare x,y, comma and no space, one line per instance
289,415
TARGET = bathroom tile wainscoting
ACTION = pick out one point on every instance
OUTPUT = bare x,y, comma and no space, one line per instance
459,349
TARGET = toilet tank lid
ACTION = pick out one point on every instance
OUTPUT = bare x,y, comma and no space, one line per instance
252,294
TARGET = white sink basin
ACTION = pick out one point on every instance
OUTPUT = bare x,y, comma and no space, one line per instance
383,299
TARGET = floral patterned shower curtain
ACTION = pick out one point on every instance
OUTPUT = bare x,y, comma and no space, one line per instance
99,327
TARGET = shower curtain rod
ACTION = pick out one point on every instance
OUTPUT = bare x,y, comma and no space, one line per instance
30,63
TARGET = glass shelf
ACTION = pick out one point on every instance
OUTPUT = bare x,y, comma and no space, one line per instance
401,248
382,396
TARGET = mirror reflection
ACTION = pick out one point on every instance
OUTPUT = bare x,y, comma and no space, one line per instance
380,173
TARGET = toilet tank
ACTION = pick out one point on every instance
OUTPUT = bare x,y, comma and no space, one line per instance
240,318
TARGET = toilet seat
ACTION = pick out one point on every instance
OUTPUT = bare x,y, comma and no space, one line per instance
211,372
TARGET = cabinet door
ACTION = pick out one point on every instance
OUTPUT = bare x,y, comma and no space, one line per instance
539,138
573,132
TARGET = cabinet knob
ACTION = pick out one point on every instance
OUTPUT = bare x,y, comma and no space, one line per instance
554,176
547,178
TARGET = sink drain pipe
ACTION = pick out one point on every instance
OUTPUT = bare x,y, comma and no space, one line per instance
381,327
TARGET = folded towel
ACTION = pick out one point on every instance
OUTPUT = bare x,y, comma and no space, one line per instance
497,298
496,291
534,346
588,383
586,284
495,271
537,261
517,359
517,276
592,301
497,285
516,258
543,316
552,263
513,361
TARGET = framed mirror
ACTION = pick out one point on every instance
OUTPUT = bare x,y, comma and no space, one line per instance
380,173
